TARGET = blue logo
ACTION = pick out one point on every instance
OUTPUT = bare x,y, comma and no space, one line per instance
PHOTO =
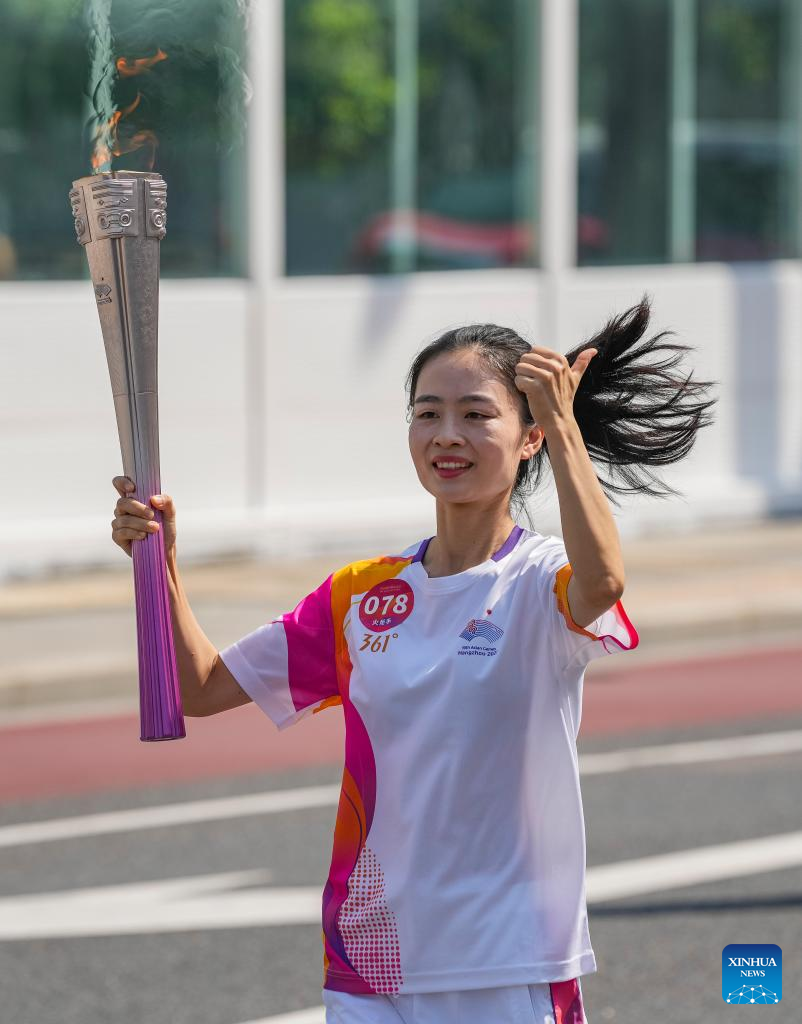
487,630
482,627
752,973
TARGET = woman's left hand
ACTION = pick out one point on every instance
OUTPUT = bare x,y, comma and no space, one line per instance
549,383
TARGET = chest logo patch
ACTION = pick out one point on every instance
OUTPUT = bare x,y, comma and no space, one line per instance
386,605
488,631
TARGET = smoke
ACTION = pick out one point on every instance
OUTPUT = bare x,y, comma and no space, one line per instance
236,90
196,96
101,69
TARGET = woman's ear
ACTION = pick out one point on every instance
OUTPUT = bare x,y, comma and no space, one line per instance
534,440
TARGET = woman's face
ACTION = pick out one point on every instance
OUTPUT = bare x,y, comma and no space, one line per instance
463,413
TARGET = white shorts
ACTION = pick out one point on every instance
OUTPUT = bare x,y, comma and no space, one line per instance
543,1003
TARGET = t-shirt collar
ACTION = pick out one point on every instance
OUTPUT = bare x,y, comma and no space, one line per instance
492,565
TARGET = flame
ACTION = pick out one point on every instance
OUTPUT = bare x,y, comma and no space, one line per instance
126,66
107,141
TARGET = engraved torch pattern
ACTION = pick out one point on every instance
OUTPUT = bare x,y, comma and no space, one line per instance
120,218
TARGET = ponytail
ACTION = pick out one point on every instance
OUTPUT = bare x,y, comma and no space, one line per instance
634,411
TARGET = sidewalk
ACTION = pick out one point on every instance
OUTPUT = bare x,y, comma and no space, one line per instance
68,644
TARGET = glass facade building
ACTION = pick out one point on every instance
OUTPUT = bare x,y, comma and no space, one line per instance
412,136
346,180
64,67
689,130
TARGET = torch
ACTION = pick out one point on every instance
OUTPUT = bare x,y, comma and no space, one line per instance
120,219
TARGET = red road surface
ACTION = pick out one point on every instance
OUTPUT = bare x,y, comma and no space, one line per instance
61,758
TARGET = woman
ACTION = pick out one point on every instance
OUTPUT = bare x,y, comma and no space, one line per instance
456,891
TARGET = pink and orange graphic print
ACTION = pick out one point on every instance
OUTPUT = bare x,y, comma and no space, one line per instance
361,952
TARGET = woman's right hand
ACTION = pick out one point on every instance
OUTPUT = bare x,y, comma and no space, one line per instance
134,521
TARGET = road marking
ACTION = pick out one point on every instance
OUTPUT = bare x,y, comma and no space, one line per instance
314,1015
693,752
692,867
147,908
165,815
219,901
282,800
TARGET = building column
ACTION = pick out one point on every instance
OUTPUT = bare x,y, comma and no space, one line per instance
266,227
791,113
557,159
404,170
682,141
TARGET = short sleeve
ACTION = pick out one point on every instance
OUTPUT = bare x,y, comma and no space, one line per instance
288,666
575,647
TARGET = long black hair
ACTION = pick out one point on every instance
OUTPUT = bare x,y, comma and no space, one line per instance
632,410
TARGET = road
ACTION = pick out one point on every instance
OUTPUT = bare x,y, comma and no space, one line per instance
181,882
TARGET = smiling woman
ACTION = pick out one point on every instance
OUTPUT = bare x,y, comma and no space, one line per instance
490,408
450,464
458,666
449,898
633,412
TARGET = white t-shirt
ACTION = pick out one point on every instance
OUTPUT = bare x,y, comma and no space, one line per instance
459,845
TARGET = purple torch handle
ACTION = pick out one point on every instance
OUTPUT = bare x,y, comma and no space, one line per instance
120,219
160,709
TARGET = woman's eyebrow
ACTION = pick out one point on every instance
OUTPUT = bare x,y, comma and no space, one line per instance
465,398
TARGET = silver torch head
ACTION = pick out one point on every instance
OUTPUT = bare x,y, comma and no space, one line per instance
120,219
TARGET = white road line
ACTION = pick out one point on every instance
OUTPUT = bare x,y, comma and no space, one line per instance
279,801
165,815
219,901
195,903
314,1015
692,867
693,752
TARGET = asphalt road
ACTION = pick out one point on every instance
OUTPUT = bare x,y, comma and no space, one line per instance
214,919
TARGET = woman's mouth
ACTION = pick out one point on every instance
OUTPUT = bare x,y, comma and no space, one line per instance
448,467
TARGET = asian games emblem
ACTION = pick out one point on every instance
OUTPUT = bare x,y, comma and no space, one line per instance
484,629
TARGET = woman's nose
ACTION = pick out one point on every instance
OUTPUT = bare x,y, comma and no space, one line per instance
447,432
